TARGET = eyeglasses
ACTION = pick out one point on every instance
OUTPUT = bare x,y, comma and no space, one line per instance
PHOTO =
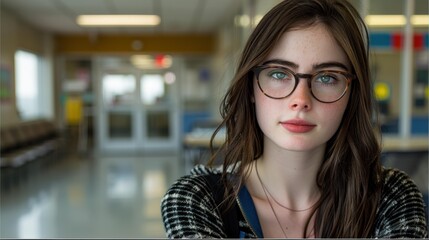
278,82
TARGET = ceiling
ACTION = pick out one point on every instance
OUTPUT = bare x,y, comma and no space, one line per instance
177,16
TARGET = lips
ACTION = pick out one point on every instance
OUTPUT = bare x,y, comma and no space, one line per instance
298,126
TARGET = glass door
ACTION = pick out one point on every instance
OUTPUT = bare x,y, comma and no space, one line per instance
139,108
160,110
118,115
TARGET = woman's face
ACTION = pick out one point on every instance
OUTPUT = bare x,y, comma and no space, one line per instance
299,122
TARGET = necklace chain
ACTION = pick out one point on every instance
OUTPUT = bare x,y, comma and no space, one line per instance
271,206
269,202
283,206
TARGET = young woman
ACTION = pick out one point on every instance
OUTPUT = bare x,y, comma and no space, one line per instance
301,157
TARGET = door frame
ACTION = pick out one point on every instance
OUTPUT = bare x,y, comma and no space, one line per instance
139,141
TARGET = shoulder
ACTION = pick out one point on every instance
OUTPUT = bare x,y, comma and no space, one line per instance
189,209
190,189
401,212
398,186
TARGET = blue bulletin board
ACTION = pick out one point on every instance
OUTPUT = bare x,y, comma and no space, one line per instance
6,91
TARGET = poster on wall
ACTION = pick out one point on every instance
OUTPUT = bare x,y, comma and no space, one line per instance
5,85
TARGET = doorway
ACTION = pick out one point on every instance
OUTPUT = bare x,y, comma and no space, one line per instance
138,108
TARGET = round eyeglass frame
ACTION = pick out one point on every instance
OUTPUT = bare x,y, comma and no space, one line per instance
257,70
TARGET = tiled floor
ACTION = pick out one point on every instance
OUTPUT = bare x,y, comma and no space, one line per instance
115,196
91,197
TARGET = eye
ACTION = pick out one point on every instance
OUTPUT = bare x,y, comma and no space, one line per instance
279,74
326,78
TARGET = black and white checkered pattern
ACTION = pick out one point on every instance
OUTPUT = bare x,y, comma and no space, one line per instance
189,209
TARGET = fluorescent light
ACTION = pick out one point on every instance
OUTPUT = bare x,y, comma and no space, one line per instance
242,21
118,20
245,21
395,20
420,20
385,20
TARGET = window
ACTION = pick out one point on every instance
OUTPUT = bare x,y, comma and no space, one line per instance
119,89
27,92
152,89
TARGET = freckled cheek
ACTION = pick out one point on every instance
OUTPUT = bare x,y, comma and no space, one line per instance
334,116
263,106
260,106
334,113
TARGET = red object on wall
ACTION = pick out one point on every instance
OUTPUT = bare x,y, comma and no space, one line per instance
398,41
418,41
159,60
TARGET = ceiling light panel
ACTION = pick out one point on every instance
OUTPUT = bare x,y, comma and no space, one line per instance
396,20
118,20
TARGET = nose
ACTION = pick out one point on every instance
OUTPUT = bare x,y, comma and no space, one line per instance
301,98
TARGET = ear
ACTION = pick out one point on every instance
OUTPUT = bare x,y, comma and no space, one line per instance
252,99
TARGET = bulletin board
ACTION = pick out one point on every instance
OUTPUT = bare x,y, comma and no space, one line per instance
6,89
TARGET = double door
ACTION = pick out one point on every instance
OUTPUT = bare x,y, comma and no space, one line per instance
138,109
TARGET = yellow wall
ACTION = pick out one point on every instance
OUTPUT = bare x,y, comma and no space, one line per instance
108,44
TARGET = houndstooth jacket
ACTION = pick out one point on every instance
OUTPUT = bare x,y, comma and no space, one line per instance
189,209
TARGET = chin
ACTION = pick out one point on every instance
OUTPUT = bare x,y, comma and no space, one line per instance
300,145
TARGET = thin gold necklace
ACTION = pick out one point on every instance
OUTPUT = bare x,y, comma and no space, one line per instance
268,200
285,207
271,206
278,203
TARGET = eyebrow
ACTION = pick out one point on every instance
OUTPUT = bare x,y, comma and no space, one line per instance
281,62
315,66
330,64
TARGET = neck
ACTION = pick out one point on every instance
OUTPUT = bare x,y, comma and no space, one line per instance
291,176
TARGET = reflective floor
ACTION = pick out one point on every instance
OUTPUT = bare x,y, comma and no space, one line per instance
115,196
91,197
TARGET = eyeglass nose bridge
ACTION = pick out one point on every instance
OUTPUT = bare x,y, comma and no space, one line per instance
298,77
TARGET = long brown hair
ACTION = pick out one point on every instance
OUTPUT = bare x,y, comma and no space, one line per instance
349,177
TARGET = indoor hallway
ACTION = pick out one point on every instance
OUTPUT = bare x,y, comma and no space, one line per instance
117,195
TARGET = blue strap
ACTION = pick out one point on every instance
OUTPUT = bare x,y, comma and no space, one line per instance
249,211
